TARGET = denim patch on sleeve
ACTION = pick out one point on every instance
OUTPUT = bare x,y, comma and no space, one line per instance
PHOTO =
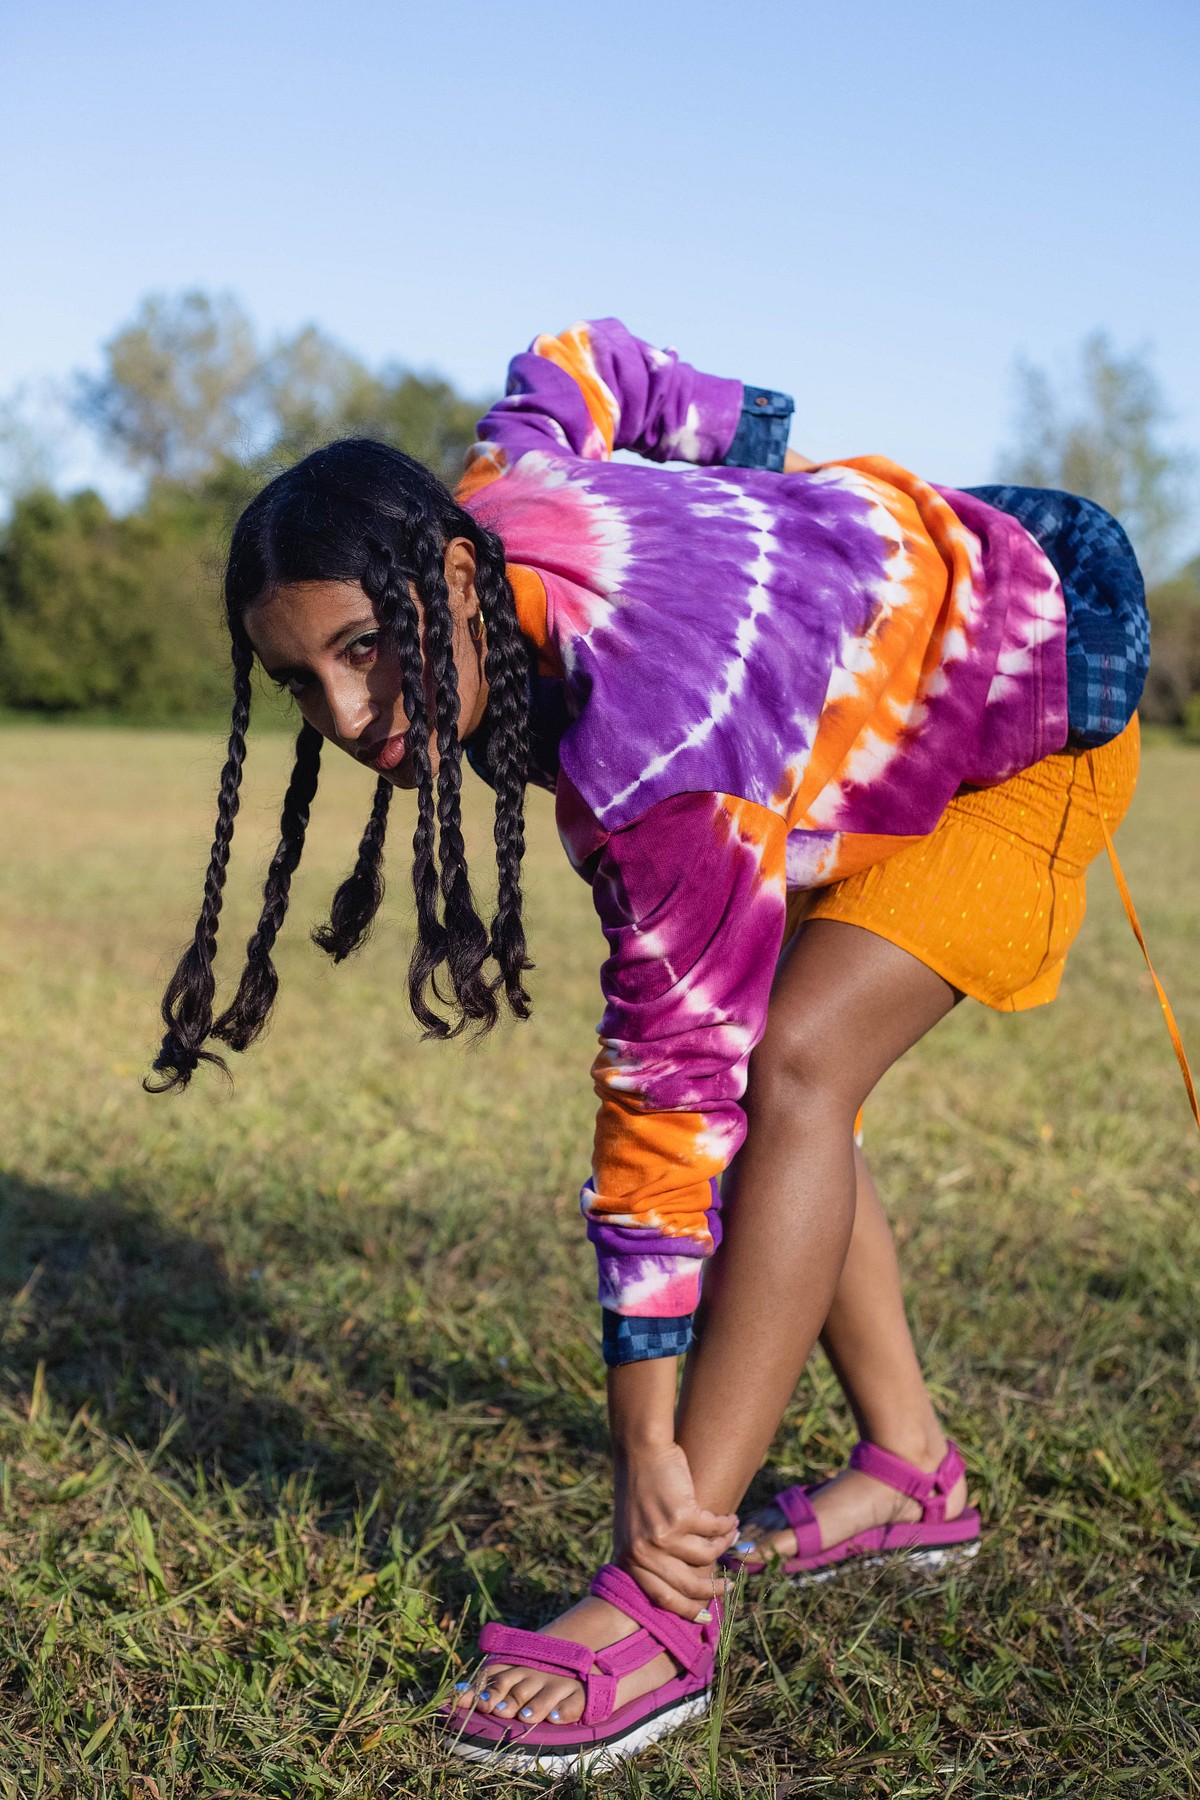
639,1340
760,441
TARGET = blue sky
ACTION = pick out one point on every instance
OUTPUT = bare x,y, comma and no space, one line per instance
876,207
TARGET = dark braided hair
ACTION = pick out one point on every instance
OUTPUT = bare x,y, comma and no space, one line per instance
188,1002
360,511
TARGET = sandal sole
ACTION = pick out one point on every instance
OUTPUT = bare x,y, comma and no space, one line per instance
569,1759
936,1557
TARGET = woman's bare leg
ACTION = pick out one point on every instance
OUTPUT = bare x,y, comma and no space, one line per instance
867,1339
844,1007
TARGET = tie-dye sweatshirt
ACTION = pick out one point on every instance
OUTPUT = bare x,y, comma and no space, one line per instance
769,681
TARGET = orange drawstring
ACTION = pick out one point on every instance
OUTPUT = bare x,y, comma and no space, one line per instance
1131,915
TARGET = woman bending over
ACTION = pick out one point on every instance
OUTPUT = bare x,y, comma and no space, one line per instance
829,744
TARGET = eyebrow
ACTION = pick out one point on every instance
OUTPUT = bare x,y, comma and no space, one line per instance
300,669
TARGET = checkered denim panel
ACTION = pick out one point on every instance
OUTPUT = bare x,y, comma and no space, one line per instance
638,1340
760,441
1108,627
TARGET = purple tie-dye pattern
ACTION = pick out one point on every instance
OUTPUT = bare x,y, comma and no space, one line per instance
691,899
703,617
709,623
657,405
1022,675
746,600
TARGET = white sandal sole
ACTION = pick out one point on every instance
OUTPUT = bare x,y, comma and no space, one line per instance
566,1761
919,1561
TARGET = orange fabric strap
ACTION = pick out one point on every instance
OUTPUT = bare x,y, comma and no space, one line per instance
1131,915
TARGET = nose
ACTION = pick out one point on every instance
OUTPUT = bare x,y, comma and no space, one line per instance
351,709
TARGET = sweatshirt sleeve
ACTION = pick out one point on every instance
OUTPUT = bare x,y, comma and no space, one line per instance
596,388
691,900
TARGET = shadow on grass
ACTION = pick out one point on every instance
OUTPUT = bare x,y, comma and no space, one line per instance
139,1322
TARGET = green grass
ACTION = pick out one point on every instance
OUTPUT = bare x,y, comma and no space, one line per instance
300,1383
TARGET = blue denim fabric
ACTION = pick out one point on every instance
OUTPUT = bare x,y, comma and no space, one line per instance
639,1340
760,441
1108,626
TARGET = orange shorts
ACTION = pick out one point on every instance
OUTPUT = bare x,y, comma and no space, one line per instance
993,898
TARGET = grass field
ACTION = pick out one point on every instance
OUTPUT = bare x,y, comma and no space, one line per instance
301,1383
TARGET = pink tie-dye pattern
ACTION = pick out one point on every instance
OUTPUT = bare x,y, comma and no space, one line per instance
773,680
691,899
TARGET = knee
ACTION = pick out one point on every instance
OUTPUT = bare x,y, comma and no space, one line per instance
798,1073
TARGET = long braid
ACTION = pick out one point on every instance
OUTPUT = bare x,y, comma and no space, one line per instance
360,512
187,1005
508,749
468,943
398,616
354,906
244,1019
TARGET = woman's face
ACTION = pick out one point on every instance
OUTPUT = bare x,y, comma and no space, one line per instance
322,641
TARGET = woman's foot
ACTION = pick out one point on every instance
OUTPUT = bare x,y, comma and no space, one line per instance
848,1503
527,1696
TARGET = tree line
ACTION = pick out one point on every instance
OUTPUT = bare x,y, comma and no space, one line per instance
106,611
119,612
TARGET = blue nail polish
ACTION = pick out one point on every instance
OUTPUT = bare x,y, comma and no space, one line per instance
486,1694
526,1712
460,1687
554,1715
500,1705
743,1548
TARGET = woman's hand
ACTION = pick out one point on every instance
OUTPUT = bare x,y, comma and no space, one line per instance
662,1536
795,464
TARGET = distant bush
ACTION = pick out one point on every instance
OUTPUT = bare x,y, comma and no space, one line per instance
100,612
1172,693
121,613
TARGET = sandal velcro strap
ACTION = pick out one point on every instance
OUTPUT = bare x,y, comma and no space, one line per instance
628,1654
690,1645
532,1650
597,1671
797,1509
928,1490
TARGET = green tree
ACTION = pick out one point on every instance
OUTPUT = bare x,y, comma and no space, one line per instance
104,611
181,388
1172,692
1100,435
314,390
187,389
109,613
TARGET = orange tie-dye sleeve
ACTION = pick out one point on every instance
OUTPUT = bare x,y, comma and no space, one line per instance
691,900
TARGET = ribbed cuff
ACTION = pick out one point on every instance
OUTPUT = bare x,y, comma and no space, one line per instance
629,1340
760,441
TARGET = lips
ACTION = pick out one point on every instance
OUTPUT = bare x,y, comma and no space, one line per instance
387,755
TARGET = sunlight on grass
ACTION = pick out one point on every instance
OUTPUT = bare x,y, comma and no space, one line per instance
301,1380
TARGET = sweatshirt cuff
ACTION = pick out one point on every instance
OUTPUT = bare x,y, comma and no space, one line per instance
760,441
627,1340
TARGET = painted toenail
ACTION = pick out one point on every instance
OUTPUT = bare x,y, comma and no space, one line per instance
742,1548
554,1714
500,1705
704,1617
526,1712
486,1694
460,1687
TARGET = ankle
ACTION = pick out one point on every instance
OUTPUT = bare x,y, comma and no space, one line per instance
923,1443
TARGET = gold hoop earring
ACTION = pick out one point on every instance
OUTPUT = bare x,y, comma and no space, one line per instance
475,626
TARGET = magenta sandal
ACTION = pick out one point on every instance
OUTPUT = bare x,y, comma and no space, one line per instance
928,1541
600,1735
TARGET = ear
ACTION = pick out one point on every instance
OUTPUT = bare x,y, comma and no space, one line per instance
460,575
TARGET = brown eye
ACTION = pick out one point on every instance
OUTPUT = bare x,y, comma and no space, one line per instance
362,649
